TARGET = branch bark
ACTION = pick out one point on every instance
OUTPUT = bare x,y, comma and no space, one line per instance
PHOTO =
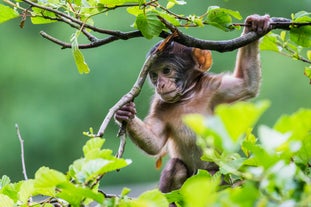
218,45
113,35
21,141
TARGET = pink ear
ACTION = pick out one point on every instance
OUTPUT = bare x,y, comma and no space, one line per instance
203,59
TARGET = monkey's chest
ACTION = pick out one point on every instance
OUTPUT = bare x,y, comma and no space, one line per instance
182,140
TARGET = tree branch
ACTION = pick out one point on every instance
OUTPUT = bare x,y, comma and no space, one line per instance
220,46
21,141
134,92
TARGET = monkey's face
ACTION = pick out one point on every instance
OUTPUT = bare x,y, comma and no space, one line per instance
164,79
176,70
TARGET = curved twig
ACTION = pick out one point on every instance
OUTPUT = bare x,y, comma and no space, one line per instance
134,92
21,141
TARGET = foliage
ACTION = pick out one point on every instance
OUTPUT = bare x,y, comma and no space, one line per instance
271,170
152,19
293,42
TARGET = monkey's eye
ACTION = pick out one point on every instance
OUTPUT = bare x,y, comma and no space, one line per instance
166,71
153,75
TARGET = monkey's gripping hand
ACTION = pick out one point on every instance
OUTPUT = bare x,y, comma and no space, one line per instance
126,113
258,24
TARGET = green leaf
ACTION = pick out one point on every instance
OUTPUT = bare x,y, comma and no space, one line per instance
125,192
240,196
5,201
5,180
270,42
250,139
26,190
301,36
271,139
175,197
169,18
149,24
196,189
171,3
152,198
82,67
7,13
41,16
299,125
113,3
76,194
221,17
239,117
259,156
196,122
93,168
92,147
97,162
46,180
309,54
299,16
283,36
307,72
211,133
230,163
135,10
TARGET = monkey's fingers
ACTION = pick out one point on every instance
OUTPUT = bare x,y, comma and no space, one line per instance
130,107
124,116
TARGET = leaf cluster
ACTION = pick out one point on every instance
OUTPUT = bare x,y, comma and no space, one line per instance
293,43
270,169
79,186
154,18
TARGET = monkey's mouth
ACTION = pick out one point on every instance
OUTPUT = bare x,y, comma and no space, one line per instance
170,96
167,93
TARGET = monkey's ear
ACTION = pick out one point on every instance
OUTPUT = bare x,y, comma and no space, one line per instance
203,59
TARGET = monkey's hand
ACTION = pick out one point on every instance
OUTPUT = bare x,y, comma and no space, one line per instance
126,113
259,24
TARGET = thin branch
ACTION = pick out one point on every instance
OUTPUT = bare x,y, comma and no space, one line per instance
130,95
21,141
220,46
72,20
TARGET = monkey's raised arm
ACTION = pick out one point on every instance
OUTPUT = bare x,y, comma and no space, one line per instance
245,81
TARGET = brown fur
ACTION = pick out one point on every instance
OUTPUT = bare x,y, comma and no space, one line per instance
181,88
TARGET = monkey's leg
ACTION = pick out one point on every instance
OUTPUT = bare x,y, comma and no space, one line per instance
173,175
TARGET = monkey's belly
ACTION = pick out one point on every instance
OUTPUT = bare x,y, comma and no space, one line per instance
184,147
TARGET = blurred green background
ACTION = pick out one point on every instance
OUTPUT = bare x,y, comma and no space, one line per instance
41,90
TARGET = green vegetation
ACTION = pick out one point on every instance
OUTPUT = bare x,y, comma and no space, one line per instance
52,103
272,169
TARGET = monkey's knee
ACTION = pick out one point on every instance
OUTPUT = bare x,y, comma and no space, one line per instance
173,175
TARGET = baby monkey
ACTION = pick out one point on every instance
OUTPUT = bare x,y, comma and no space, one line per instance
183,86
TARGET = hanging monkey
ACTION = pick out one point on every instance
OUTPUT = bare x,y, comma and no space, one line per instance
183,86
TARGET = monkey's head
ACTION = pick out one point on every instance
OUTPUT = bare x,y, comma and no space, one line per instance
176,70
